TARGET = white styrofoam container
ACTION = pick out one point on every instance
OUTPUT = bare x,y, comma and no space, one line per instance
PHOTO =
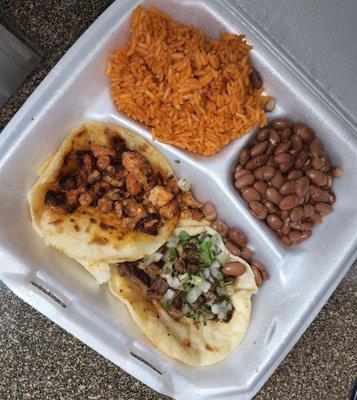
302,278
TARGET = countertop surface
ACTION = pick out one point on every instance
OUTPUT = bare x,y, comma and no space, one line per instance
38,360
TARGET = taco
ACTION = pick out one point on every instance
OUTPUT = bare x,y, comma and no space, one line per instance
191,298
106,196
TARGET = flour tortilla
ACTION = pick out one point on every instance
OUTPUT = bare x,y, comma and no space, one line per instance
192,343
74,234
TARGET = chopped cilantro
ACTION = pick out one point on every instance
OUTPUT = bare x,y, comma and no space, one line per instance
167,304
184,236
206,253
191,314
171,254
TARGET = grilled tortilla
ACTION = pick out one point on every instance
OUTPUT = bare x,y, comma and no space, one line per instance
86,232
185,339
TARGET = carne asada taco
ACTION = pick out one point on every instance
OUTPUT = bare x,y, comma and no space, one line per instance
191,298
106,196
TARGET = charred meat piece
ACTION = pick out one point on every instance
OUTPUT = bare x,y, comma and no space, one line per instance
135,162
169,181
180,265
170,209
129,270
57,201
113,181
118,210
159,285
133,186
85,199
152,295
93,177
103,162
115,194
150,224
67,182
101,151
105,205
189,201
174,312
198,303
72,198
118,143
152,270
133,209
177,302
85,164
159,196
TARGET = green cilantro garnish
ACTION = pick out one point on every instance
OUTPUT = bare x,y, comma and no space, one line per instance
206,253
184,236
167,304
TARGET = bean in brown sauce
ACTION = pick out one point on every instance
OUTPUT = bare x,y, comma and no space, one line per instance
286,188
244,156
244,180
274,137
263,134
278,180
259,209
232,248
281,123
256,79
259,148
317,177
209,211
250,193
273,195
261,187
237,237
274,222
220,227
271,207
268,172
287,202
294,174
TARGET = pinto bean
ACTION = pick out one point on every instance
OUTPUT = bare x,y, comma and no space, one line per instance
209,211
234,268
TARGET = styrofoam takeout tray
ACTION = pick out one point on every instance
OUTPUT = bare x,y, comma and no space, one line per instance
302,278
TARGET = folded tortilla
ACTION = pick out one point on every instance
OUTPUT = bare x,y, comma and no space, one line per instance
186,340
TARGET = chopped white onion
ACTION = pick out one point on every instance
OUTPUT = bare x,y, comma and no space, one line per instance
221,309
173,282
204,286
193,294
206,273
169,295
184,184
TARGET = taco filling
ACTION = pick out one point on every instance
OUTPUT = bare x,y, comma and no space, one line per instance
114,179
190,276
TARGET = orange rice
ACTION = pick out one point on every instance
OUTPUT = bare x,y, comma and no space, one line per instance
194,92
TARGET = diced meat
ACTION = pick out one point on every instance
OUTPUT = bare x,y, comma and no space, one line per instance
133,209
171,184
133,186
152,295
170,209
134,273
198,303
150,181
57,201
85,199
135,162
150,224
103,162
114,194
94,176
180,265
81,189
72,198
159,196
189,201
191,213
174,312
105,205
100,151
118,210
67,182
113,181
159,285
192,268
177,302
149,208
118,143
85,164
152,270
